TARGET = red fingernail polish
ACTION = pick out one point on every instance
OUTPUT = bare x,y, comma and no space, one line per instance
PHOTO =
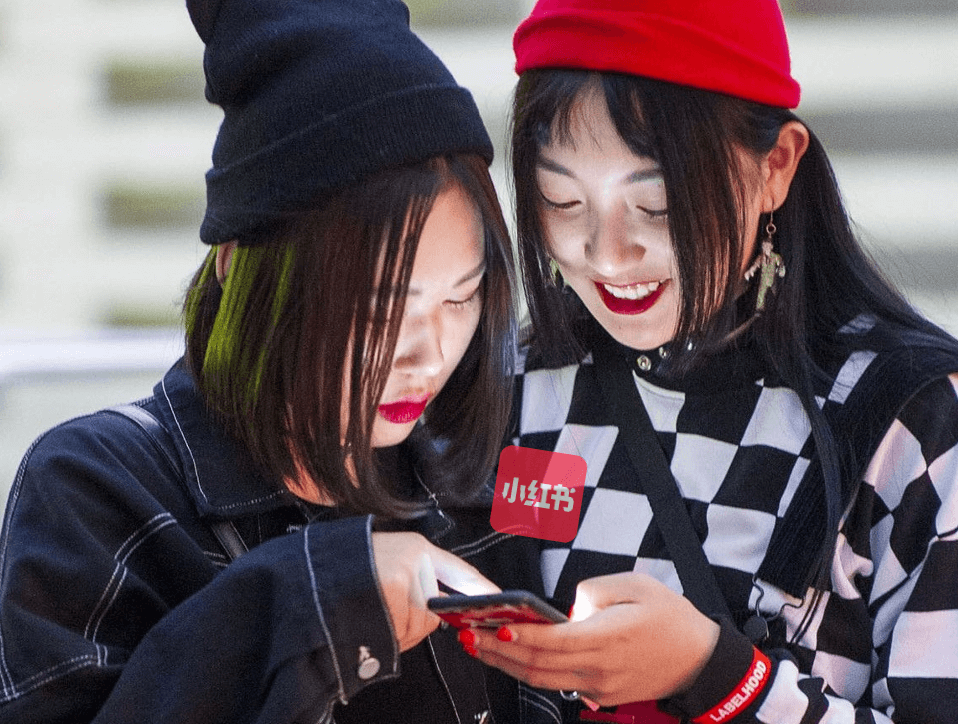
470,650
467,637
504,634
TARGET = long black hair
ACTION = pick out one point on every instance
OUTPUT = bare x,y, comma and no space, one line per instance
694,135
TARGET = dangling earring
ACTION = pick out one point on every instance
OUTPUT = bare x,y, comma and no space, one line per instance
769,262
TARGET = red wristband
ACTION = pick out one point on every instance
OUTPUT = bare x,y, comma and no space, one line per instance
742,695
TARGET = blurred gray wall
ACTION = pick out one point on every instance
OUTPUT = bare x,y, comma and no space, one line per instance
105,137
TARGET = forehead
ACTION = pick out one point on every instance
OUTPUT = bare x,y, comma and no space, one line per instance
449,232
586,125
451,243
589,145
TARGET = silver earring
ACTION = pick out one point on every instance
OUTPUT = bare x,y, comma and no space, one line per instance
768,264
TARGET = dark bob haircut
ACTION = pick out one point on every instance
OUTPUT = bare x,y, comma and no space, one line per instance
305,310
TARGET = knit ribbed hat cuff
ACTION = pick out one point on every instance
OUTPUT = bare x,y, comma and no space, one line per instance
735,47
407,126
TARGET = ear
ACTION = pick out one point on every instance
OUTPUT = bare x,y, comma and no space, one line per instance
224,256
781,163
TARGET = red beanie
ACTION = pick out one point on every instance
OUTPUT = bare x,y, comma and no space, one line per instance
736,47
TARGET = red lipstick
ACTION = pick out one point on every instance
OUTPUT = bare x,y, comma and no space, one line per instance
629,306
403,411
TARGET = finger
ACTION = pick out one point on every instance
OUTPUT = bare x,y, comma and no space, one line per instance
524,660
421,619
459,575
546,642
547,676
594,594
427,579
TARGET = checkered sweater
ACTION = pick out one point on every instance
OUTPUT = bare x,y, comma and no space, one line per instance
883,643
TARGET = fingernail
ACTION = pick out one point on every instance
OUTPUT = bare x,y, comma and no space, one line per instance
505,634
467,637
589,703
470,650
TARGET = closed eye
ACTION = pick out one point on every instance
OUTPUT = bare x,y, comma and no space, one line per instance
557,204
654,213
462,303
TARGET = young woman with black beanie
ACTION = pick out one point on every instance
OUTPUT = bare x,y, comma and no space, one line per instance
769,531
255,542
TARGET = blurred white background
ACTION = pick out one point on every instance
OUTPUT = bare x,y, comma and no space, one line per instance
105,137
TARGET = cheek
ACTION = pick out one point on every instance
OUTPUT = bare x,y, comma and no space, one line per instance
461,331
563,241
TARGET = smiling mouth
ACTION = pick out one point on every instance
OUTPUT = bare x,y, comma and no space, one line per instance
632,298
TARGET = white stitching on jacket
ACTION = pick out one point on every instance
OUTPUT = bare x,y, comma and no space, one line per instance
322,618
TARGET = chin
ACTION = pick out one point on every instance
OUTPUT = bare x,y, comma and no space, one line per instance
644,334
640,340
387,434
644,331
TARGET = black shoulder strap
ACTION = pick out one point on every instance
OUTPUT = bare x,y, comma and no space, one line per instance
224,530
669,511
860,424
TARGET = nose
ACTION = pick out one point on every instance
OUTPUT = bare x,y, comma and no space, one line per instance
419,347
609,246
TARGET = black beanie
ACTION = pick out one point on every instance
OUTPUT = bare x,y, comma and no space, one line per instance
318,94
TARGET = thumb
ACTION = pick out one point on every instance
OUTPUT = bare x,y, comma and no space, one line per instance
594,594
426,573
459,575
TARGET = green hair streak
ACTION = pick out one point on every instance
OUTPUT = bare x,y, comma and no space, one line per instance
227,357
191,309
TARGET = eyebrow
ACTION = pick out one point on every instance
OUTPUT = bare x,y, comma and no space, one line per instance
479,270
547,164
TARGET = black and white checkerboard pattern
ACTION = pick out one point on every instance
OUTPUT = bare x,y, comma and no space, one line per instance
885,638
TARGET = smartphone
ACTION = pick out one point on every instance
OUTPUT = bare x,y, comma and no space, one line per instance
494,610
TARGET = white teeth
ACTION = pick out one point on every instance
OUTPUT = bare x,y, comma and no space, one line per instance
636,291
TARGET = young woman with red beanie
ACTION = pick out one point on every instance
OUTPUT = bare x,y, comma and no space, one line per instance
256,541
769,531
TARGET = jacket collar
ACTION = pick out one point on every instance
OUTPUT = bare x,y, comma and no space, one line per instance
737,366
220,474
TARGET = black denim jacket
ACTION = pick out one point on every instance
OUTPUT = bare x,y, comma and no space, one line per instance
119,604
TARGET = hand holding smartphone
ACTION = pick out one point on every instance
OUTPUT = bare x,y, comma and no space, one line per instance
498,609
494,610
